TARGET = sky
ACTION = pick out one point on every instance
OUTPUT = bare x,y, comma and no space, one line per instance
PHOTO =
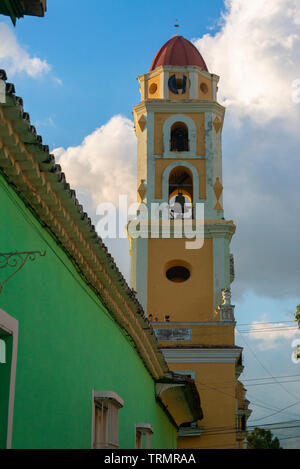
76,72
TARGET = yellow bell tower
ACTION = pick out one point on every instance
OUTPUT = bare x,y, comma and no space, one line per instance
184,285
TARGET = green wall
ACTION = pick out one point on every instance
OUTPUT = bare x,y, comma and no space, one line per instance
68,345
4,388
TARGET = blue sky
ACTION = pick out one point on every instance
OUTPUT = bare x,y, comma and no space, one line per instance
76,71
98,52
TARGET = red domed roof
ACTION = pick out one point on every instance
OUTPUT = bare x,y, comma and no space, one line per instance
178,51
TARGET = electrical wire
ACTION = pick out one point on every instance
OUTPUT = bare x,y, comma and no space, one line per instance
269,373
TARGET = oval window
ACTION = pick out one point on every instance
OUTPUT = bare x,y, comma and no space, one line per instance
152,88
204,88
178,274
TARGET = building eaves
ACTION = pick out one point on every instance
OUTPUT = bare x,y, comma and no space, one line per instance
30,168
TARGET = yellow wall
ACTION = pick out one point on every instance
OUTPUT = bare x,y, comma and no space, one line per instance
188,301
216,385
159,120
208,83
161,164
201,335
151,84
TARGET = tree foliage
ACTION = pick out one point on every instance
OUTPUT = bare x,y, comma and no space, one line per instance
297,315
260,438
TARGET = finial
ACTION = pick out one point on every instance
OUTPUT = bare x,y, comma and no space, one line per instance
176,26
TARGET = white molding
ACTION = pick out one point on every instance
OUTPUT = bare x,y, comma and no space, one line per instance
166,174
188,107
192,136
193,85
144,427
108,395
211,323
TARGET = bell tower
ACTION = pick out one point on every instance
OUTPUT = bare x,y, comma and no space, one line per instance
182,275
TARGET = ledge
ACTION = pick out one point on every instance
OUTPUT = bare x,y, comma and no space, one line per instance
100,396
144,427
185,432
180,396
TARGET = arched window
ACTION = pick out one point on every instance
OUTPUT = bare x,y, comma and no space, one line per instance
179,137
181,192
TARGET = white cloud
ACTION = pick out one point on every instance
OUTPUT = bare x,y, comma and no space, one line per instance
270,335
257,55
14,58
104,164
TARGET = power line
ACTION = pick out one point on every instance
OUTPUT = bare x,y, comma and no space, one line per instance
265,330
234,396
263,366
267,322
256,379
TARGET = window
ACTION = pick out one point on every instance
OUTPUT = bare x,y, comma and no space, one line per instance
2,351
143,432
106,419
178,85
179,137
8,363
181,193
178,274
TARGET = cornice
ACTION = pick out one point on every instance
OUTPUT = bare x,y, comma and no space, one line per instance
178,107
188,229
177,68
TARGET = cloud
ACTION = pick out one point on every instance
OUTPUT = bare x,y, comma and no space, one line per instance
256,53
104,164
270,335
15,59
261,195
47,122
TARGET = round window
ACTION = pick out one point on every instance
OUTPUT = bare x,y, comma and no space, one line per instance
152,88
178,274
204,88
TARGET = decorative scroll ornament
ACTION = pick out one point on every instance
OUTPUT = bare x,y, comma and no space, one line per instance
16,260
226,296
225,311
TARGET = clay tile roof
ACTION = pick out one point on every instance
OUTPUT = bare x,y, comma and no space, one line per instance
178,51
50,183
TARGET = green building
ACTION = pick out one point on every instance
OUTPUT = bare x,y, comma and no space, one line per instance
79,362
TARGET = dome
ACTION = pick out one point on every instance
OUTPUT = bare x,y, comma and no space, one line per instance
178,51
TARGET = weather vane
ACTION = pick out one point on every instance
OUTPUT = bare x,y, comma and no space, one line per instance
176,26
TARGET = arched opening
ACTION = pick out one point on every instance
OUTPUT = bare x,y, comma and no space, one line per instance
243,423
181,192
179,137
